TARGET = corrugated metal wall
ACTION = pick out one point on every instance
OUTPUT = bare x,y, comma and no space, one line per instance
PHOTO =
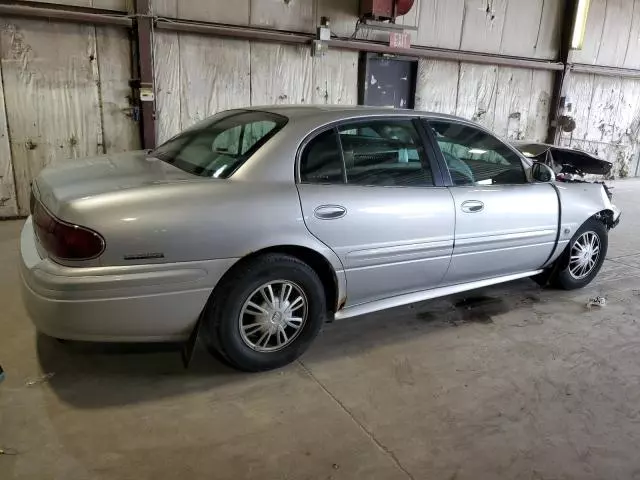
65,93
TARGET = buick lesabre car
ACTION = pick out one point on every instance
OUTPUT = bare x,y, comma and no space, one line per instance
258,225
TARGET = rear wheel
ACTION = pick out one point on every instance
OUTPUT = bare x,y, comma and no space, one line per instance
582,259
265,313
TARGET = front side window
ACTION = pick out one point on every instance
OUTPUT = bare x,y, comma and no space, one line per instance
216,147
384,153
477,158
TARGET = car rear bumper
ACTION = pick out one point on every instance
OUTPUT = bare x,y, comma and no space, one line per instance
132,303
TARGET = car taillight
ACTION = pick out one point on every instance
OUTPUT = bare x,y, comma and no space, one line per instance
64,240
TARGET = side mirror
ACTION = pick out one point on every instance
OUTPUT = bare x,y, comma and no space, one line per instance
541,172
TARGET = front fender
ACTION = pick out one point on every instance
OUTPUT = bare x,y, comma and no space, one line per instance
578,203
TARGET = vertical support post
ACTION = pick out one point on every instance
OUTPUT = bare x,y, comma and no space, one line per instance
557,98
145,83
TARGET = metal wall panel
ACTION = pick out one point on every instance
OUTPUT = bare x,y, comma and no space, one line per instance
607,114
214,76
50,74
342,14
513,101
483,24
632,54
8,206
198,76
440,23
477,90
204,10
579,93
297,15
532,28
611,37
281,74
120,131
616,31
593,36
334,78
166,48
537,124
437,86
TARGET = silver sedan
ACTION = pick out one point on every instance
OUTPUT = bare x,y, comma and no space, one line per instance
256,226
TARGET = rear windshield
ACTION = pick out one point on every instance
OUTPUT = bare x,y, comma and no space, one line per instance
216,147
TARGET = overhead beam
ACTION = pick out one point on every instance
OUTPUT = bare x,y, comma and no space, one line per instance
65,15
252,33
607,71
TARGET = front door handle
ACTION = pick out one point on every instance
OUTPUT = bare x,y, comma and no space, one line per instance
329,212
472,206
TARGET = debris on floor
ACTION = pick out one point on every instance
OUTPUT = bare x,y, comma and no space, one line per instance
8,451
1,374
597,302
41,379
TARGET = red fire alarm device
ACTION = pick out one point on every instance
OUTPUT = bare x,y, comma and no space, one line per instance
384,9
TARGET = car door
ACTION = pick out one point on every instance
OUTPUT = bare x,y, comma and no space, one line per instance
368,191
504,223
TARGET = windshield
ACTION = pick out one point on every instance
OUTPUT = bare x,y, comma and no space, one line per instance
216,147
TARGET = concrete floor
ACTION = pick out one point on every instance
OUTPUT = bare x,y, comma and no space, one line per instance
515,382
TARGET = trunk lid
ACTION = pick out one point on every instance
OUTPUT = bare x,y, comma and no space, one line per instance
74,179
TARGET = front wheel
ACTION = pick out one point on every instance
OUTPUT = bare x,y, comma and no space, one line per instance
266,313
582,259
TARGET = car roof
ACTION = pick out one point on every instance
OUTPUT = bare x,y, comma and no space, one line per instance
337,112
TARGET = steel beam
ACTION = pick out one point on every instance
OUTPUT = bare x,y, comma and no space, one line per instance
444,54
251,33
65,15
607,71
557,96
146,86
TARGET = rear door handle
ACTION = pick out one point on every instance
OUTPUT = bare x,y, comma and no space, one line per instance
472,206
329,212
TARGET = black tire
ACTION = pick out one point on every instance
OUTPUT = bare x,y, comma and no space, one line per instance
560,276
221,321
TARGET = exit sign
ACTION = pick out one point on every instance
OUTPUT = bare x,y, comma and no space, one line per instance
399,40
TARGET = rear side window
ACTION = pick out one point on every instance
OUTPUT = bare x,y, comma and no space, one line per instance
321,160
216,147
384,153
476,158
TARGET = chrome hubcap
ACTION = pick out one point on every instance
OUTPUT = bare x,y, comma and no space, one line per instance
585,253
273,316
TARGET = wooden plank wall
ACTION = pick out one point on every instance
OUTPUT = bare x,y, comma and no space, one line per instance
66,95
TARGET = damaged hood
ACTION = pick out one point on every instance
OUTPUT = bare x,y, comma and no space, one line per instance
570,160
